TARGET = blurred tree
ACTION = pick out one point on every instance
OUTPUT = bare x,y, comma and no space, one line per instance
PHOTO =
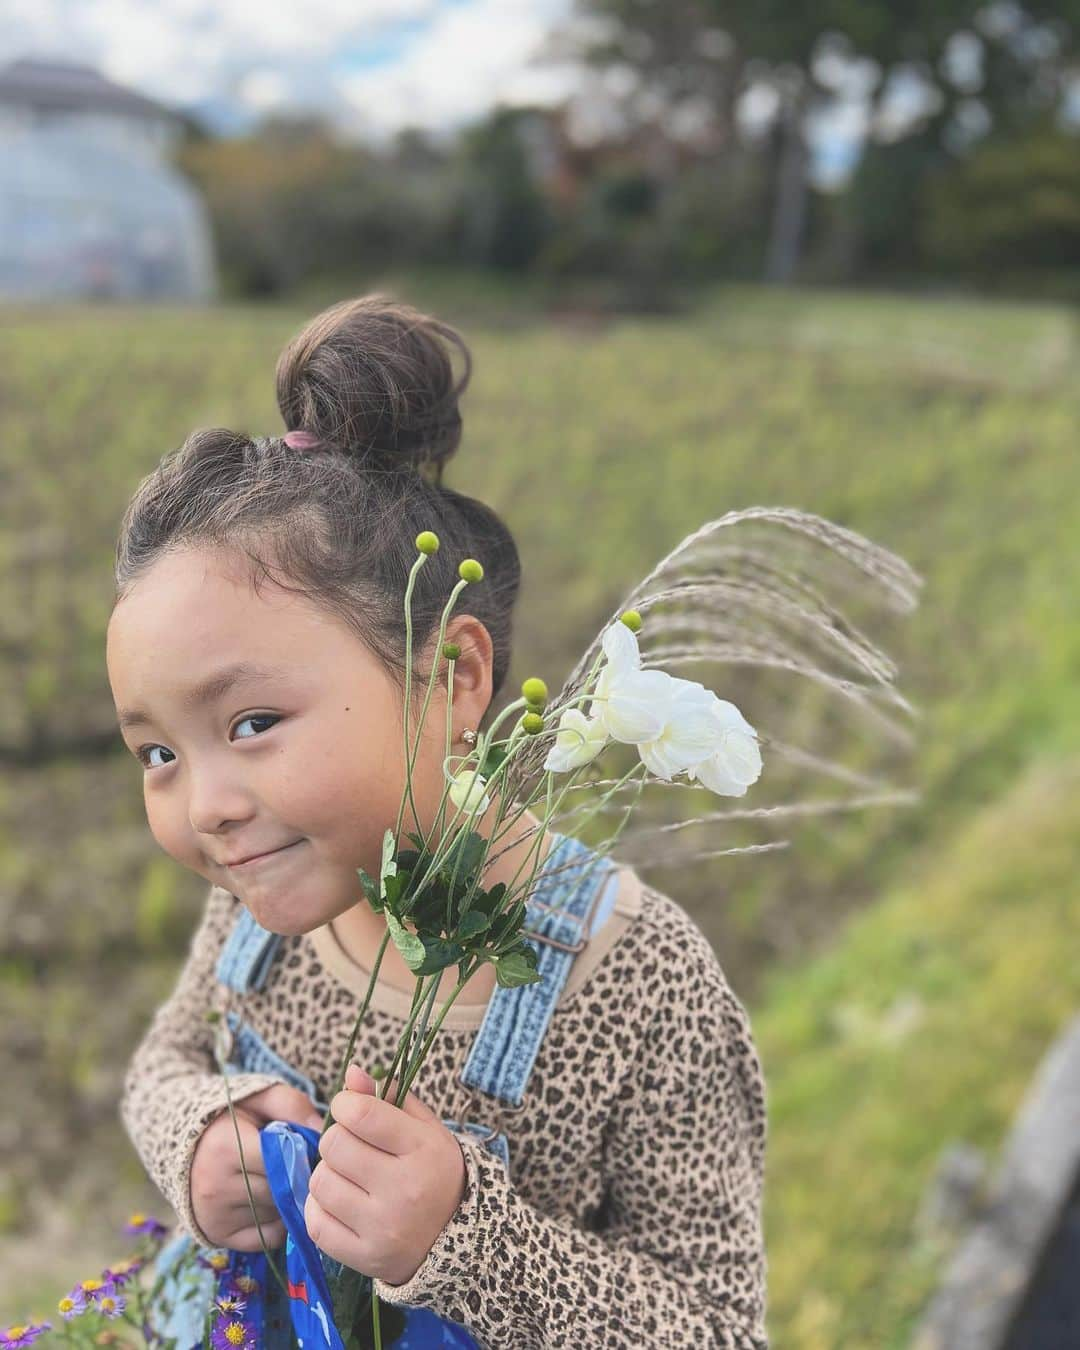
1013,203
290,200
504,216
981,66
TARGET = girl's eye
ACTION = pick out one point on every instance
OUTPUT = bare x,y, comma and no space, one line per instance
143,753
257,717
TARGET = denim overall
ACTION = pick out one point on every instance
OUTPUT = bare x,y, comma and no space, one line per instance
573,896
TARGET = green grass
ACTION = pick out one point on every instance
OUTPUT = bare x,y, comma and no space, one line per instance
944,429
978,946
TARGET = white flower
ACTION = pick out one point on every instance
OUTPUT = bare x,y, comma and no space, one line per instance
623,658
578,741
688,734
627,700
467,791
736,762
678,725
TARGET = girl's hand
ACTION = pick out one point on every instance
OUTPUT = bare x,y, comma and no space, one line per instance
388,1181
219,1196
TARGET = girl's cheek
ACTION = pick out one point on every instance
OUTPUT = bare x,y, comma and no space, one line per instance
172,840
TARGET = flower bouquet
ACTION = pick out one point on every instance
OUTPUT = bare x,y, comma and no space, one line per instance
722,596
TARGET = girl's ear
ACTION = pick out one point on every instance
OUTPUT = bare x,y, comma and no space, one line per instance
472,669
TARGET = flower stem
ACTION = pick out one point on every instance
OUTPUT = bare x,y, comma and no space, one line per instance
410,755
426,1046
403,1040
247,1182
356,1028
421,558
429,1000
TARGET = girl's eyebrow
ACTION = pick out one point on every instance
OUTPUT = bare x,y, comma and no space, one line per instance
215,686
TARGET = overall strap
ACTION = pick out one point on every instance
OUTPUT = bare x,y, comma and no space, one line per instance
248,954
572,898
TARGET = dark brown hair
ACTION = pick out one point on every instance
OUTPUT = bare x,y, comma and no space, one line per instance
337,524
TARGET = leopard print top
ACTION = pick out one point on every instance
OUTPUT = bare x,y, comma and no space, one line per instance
631,1214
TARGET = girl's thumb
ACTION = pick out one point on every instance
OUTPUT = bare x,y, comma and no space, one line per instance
358,1079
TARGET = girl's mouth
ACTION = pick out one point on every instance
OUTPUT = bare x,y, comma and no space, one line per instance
263,857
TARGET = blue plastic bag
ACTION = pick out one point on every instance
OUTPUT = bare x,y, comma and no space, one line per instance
290,1153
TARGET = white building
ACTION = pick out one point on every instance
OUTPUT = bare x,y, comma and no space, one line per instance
90,205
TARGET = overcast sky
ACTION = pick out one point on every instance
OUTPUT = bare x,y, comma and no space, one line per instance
372,65
369,66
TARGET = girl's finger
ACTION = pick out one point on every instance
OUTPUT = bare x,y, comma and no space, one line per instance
253,1164
377,1121
338,1194
333,1237
355,1158
266,1210
247,1239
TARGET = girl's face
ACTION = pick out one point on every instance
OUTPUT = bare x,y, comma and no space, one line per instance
303,753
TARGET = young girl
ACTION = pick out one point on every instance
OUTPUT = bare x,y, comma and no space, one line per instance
612,1194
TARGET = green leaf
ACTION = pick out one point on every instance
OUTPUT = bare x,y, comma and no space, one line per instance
428,910
472,922
469,847
387,853
489,901
513,969
438,955
408,944
509,922
494,759
371,888
395,887
416,840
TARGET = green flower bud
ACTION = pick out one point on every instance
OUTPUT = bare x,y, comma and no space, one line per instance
213,1015
470,570
535,690
451,651
378,1070
427,542
632,619
533,723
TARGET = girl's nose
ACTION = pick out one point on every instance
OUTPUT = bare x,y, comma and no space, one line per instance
216,803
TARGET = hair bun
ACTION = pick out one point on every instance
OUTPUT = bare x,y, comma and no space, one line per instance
371,377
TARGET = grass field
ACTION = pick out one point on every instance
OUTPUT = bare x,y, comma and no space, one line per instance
905,969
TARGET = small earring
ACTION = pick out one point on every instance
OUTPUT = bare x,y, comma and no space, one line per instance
469,737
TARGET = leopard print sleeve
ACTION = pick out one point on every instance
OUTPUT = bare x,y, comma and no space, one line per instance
680,1259
172,1086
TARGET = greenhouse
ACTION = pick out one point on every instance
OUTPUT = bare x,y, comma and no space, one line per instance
90,206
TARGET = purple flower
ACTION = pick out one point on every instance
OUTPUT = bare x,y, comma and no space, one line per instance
142,1223
73,1304
25,1334
230,1333
123,1271
110,1303
92,1290
244,1284
218,1260
230,1302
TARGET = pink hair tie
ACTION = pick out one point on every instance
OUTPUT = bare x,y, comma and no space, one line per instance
301,440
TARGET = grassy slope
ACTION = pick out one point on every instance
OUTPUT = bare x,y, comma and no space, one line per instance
944,430
922,1026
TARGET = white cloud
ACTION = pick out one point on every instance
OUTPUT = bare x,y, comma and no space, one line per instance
269,54
471,57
